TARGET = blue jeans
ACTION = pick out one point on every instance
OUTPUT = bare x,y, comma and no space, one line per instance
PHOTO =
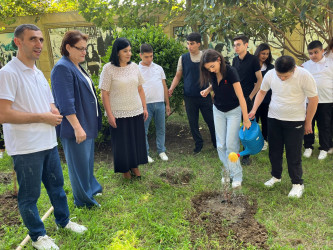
30,170
227,126
80,161
156,110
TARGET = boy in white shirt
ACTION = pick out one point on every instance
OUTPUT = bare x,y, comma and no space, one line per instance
321,69
157,99
288,118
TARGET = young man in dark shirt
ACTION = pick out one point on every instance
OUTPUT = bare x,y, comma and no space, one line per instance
189,68
248,68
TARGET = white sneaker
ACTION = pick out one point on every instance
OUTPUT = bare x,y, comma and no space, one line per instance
307,152
76,228
225,180
330,151
44,243
265,146
1,155
150,160
163,156
272,181
296,191
322,155
236,184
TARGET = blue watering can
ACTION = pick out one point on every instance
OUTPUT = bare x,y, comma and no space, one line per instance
252,139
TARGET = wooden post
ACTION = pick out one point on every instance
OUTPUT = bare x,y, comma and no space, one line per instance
14,184
26,239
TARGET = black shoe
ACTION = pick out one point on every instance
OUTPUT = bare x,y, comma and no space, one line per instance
197,150
246,161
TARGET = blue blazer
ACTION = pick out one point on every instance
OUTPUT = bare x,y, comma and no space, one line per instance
72,95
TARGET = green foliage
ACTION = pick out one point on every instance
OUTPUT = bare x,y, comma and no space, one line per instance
270,21
10,9
128,13
104,133
267,20
166,54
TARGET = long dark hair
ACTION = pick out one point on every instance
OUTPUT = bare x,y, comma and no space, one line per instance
208,56
119,44
261,47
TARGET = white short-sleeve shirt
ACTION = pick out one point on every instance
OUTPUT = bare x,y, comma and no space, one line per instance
30,92
322,72
153,86
288,101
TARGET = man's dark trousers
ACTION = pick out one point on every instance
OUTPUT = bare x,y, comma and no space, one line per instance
287,134
205,105
323,116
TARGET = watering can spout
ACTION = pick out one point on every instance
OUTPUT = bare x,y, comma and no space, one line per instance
245,152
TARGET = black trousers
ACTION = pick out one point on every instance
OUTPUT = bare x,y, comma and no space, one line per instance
331,144
205,105
2,143
323,116
288,134
262,114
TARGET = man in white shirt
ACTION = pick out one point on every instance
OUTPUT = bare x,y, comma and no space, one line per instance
29,117
288,118
321,69
157,98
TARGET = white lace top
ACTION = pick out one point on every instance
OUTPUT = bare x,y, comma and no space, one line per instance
122,84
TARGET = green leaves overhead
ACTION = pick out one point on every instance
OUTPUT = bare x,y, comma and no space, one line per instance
129,13
267,20
10,9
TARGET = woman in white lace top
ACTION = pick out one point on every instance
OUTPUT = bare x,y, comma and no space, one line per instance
125,106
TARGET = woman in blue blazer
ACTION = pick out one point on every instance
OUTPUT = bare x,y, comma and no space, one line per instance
76,99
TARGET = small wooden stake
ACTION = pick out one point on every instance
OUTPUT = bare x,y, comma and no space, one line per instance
26,239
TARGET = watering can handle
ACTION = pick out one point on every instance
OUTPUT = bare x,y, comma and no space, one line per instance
253,120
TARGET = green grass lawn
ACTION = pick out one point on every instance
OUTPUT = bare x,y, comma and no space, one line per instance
152,213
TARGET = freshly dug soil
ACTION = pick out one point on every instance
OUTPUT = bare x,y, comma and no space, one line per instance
227,222
9,212
177,175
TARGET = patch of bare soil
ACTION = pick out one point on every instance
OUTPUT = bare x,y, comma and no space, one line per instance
6,178
9,212
178,139
227,221
177,175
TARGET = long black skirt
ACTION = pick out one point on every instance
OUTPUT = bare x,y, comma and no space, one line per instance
128,143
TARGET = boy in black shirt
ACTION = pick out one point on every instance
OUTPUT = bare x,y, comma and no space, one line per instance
248,68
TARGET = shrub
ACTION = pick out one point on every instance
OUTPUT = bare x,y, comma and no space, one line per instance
166,54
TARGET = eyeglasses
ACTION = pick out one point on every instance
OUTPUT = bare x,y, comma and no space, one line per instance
80,49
